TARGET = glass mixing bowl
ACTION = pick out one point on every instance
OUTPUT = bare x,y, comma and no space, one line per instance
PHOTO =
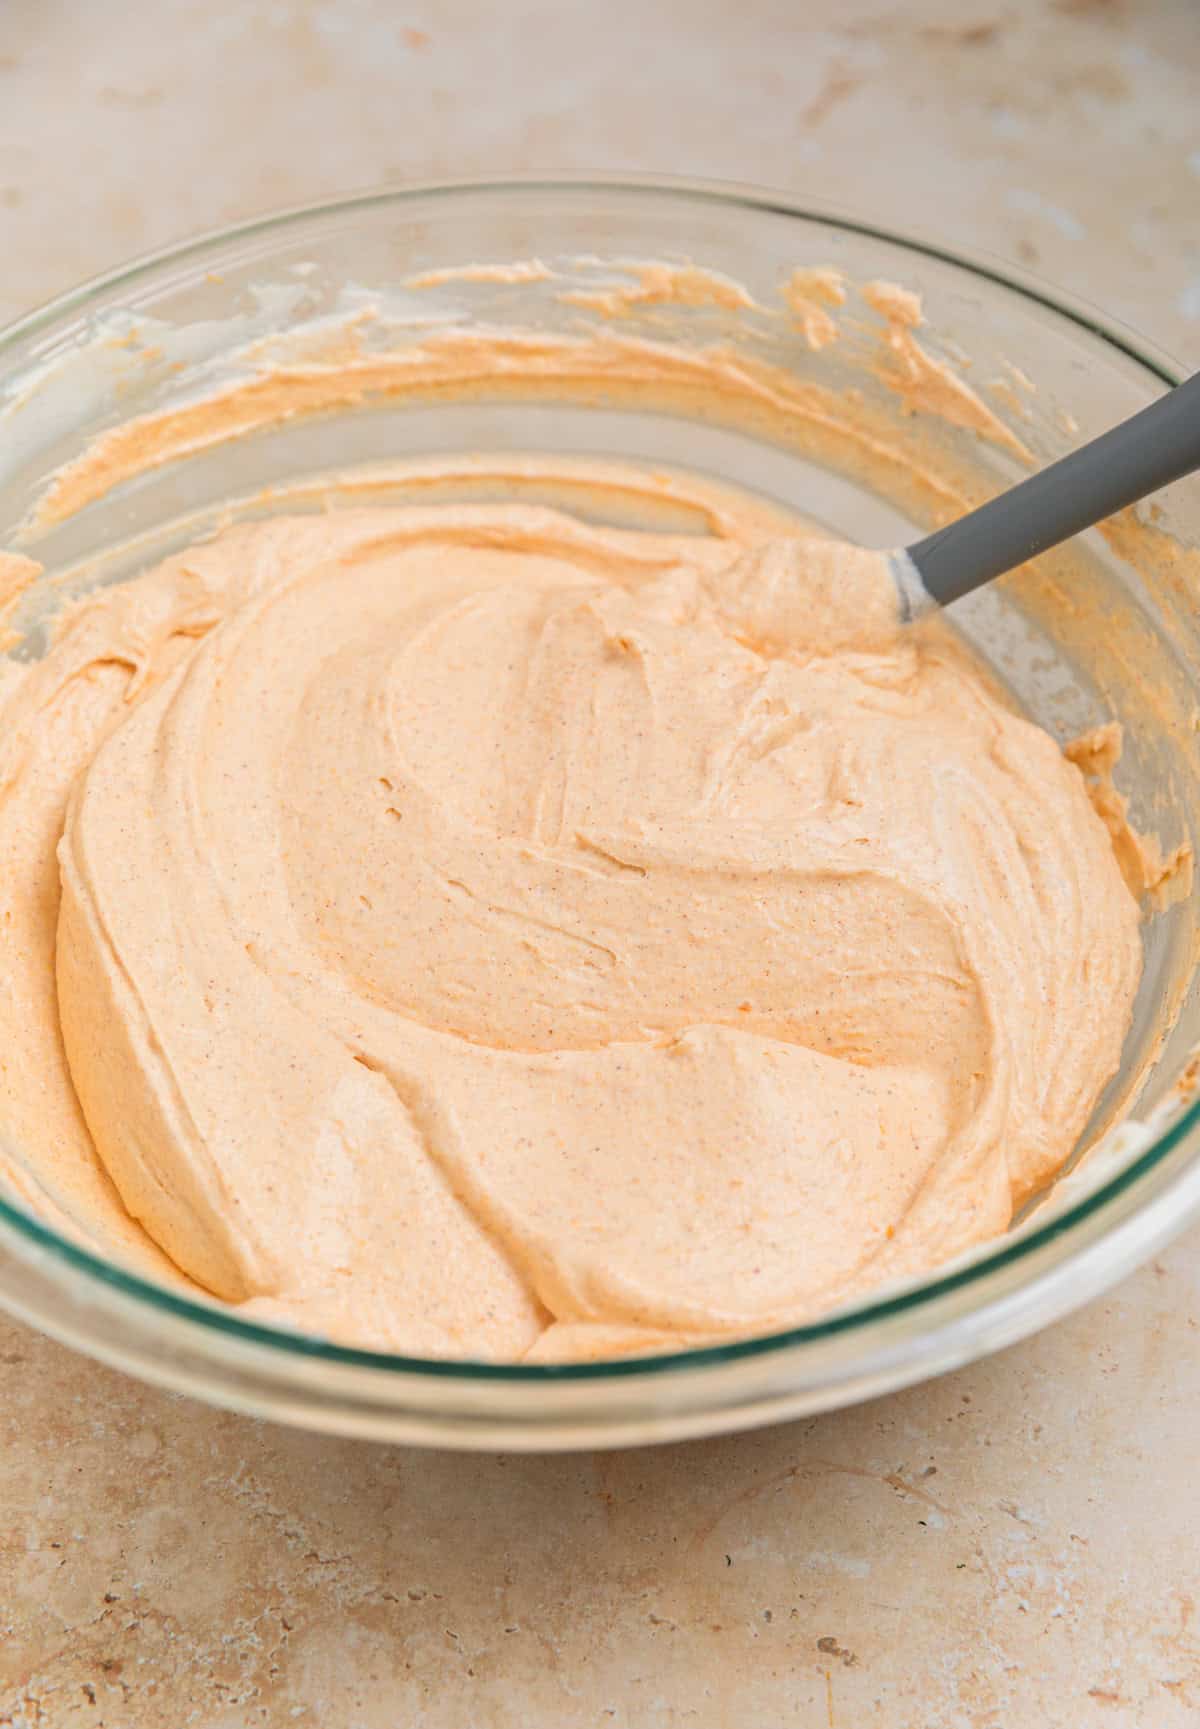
394,267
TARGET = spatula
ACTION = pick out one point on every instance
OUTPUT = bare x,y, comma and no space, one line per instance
1149,450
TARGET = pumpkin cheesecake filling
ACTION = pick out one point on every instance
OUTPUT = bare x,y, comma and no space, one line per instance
469,930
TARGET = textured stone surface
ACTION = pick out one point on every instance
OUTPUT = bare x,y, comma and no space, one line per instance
1018,1543
1012,1544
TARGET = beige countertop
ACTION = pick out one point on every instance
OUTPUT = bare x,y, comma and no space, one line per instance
1015,1544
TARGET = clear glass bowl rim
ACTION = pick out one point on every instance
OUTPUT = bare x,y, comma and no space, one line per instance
1008,1252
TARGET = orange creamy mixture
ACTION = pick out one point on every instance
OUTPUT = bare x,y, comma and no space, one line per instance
463,929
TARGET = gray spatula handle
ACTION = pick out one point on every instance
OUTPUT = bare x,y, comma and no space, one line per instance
1156,446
